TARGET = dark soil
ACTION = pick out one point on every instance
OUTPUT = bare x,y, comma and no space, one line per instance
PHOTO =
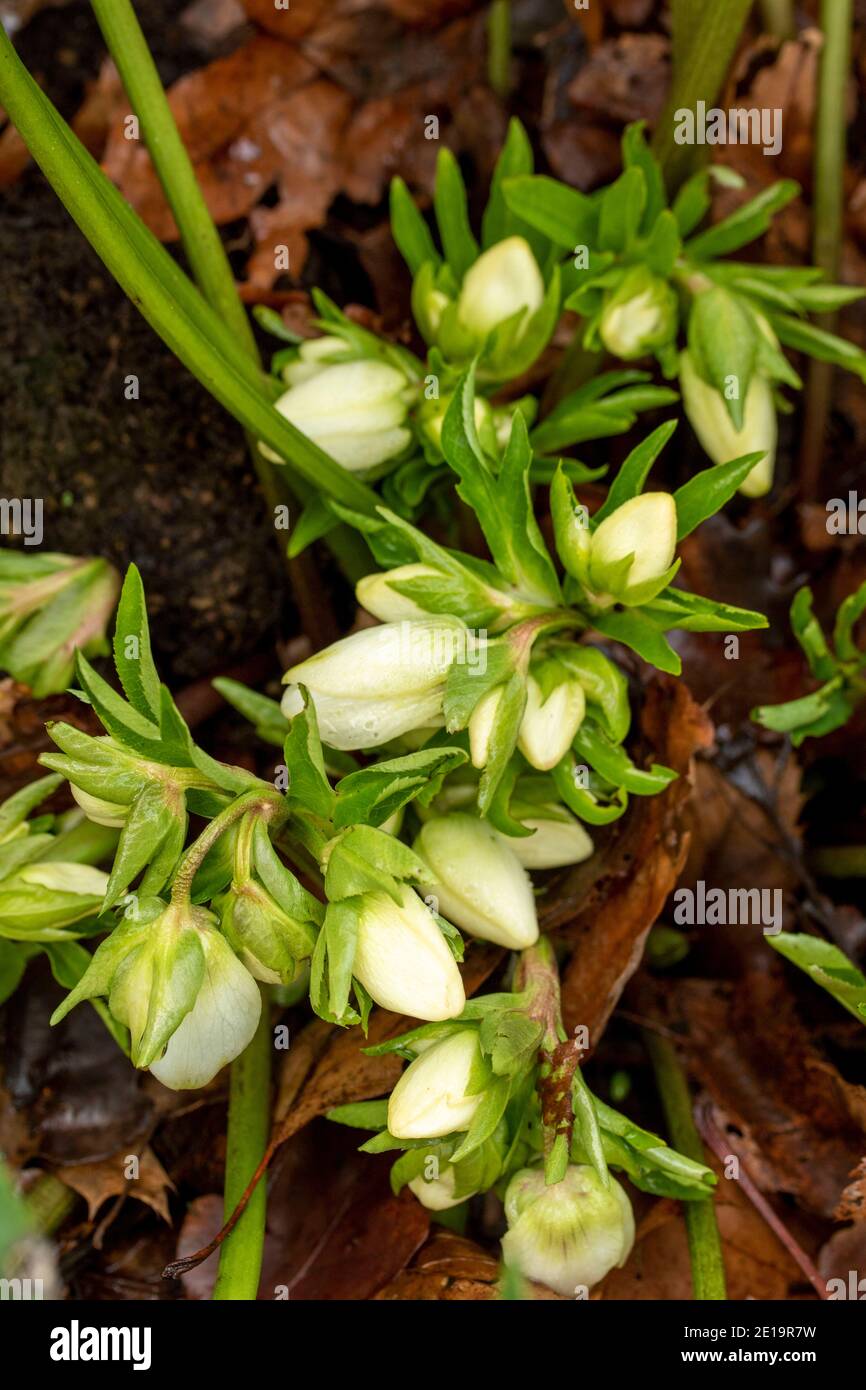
163,480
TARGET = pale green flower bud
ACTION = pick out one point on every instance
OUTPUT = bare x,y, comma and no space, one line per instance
645,528
550,722
559,840
174,981
432,1097
313,355
502,282
381,682
355,411
481,724
403,960
268,940
709,418
376,593
639,316
38,901
432,417
480,885
437,1194
101,812
569,1235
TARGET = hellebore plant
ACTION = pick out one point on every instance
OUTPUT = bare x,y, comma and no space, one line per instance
647,282
496,1099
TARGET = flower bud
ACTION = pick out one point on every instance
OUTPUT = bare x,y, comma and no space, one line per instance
101,812
355,411
480,884
437,1194
481,725
431,418
403,960
569,1235
39,900
559,840
376,593
709,418
504,281
639,316
314,354
380,682
550,721
267,939
645,528
431,1098
174,981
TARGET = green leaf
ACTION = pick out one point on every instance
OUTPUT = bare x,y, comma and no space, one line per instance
14,956
309,787
363,1114
622,209
515,160
810,635
708,491
817,342
586,1125
637,631
611,761
848,614
664,246
567,217
16,808
486,1117
452,215
503,740
692,202
132,654
828,967
675,608
746,224
632,475
409,229
636,153
374,793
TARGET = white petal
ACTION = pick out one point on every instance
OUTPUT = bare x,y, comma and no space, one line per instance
220,1024
403,961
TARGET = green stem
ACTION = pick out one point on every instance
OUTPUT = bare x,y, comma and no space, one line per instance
778,18
499,47
705,40
50,1202
249,1111
259,803
705,1246
827,218
201,240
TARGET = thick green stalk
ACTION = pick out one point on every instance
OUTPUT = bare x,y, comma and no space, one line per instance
499,47
705,1247
705,40
249,1113
168,300
827,218
201,240
778,18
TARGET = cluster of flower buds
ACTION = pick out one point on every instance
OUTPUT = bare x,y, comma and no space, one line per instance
354,405
50,607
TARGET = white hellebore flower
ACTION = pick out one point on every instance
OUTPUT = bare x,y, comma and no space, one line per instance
355,411
645,527
430,1098
403,960
709,418
502,282
380,682
639,317
437,1194
559,840
376,593
480,884
570,1235
549,725
220,1024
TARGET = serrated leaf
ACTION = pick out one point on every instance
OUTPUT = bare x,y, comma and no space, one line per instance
827,966
409,230
708,491
452,215
132,654
632,475
746,224
308,782
567,217
374,793
637,631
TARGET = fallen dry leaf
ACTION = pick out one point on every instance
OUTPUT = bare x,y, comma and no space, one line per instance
97,1182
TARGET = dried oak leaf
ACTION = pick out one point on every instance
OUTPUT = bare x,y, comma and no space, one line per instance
607,906
222,115
449,1268
97,1182
797,1125
852,1203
